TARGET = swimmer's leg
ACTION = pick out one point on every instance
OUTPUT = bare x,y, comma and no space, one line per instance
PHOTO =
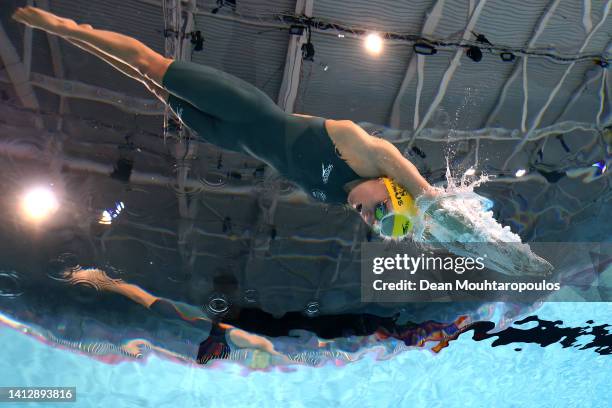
125,69
197,120
121,47
99,280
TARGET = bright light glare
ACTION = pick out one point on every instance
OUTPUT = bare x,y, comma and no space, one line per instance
470,172
106,218
520,172
374,43
109,215
39,203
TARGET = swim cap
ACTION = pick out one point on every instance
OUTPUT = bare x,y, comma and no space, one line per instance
399,222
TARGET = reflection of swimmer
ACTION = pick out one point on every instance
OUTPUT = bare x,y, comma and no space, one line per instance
237,116
222,338
363,329
418,335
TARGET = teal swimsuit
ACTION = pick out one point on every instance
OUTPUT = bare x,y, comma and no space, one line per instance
235,115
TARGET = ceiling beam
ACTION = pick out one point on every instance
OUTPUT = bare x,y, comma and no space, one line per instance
18,147
590,76
491,133
56,62
27,46
518,65
538,118
80,90
431,23
17,72
293,62
448,75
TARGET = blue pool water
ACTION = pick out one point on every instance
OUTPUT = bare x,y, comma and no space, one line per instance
467,373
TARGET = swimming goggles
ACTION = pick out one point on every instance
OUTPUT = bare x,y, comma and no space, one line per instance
390,223
380,210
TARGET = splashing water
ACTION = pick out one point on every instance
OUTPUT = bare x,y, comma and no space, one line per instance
460,220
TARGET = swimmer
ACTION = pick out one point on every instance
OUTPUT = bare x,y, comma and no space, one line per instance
222,338
334,161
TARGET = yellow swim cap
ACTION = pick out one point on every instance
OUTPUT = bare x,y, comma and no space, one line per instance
399,222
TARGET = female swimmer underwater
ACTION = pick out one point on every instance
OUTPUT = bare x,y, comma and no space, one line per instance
370,173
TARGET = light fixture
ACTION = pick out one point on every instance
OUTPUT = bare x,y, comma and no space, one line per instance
39,204
481,38
373,43
221,3
470,172
308,50
296,30
474,53
340,35
601,165
424,48
507,56
197,40
520,172
110,214
123,169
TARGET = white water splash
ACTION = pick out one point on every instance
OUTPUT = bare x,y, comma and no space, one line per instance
460,220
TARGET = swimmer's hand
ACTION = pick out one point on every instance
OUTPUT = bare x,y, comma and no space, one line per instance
431,193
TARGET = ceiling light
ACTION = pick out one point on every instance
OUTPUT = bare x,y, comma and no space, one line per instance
39,203
373,43
520,172
470,172
601,165
110,214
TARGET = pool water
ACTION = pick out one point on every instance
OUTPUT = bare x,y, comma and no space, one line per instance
467,373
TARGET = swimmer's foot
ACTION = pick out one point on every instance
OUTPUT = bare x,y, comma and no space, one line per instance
44,20
92,277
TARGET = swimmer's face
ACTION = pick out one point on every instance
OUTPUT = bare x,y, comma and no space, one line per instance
366,196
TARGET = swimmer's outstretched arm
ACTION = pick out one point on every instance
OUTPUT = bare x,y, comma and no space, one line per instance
392,163
100,281
376,157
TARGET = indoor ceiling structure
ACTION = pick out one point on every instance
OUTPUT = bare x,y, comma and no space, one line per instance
538,119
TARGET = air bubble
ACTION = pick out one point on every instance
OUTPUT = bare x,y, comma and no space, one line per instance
251,296
312,309
10,285
217,305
